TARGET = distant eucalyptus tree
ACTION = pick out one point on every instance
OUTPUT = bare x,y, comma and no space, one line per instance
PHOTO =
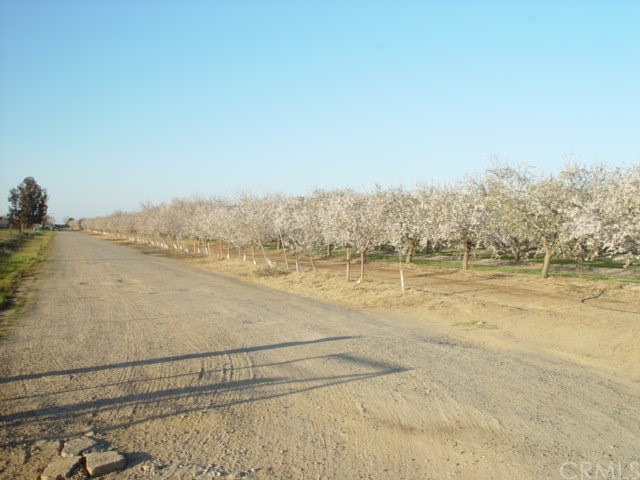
27,204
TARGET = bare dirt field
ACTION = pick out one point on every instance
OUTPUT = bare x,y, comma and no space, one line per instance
194,374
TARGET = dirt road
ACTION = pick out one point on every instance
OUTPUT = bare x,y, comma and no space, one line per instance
182,369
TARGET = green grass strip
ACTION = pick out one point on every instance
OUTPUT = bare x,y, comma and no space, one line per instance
20,254
531,267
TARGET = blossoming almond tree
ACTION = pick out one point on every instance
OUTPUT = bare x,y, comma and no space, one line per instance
400,224
254,224
506,232
304,232
537,205
428,215
401,221
462,217
356,219
581,234
620,213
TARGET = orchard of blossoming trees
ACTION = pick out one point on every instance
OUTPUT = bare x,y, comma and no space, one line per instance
581,213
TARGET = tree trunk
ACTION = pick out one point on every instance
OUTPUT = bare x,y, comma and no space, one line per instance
466,248
401,272
410,251
284,252
580,258
330,250
348,264
548,250
313,265
264,255
361,266
426,247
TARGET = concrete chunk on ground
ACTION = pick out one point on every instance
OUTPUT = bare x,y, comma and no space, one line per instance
101,463
76,446
61,469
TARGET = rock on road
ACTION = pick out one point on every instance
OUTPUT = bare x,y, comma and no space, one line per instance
193,374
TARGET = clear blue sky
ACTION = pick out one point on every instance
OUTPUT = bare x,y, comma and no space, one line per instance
112,103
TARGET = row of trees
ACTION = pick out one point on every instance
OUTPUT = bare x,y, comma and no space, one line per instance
582,212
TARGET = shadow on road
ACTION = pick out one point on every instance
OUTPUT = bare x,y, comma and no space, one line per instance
176,358
169,402
161,397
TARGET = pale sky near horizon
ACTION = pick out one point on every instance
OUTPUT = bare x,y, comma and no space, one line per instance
109,104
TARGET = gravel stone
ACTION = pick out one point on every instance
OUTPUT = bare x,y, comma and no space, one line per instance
76,446
61,469
101,463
